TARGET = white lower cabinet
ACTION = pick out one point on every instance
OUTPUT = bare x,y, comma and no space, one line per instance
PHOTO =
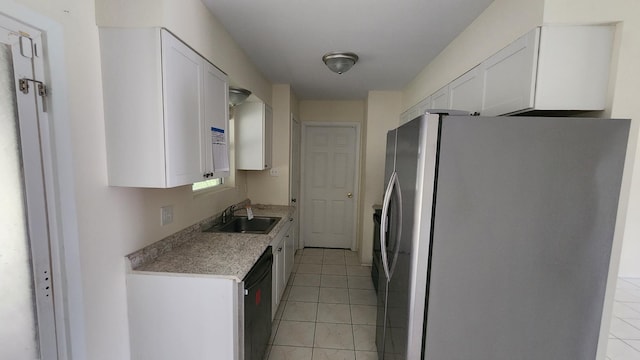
173,316
282,248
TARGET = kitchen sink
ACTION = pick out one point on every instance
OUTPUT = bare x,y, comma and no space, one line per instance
242,224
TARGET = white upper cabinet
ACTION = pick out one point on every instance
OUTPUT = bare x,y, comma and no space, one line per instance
424,105
549,68
465,92
253,124
441,99
166,111
216,122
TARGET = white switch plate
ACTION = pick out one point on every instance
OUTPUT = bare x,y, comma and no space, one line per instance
166,215
274,172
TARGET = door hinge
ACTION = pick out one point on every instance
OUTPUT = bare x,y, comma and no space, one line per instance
23,85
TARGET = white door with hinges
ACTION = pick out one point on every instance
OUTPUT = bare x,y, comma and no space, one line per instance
28,329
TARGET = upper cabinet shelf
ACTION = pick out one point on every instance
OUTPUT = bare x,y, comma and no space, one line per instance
166,110
550,68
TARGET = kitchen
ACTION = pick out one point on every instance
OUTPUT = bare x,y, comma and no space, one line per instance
128,217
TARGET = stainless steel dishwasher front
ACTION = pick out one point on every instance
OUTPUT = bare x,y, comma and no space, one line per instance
257,307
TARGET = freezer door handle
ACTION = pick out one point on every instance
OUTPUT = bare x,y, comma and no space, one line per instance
393,183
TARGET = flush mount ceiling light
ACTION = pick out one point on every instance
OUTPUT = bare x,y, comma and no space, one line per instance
237,95
340,62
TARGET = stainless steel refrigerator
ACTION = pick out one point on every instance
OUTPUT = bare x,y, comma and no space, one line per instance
496,236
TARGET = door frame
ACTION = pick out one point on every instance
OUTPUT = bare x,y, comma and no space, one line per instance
296,223
59,184
356,177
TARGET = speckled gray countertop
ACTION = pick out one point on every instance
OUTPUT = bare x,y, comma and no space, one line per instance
192,251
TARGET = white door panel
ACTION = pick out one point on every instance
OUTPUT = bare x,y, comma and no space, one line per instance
26,285
329,186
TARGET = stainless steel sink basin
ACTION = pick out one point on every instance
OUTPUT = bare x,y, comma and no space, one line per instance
241,224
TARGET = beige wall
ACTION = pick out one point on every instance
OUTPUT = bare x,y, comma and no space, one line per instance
622,103
501,23
262,187
505,20
383,109
624,94
338,111
329,111
113,222
192,22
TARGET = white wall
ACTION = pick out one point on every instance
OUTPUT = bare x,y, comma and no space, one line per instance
383,109
113,222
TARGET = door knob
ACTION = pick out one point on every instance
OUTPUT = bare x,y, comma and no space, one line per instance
349,195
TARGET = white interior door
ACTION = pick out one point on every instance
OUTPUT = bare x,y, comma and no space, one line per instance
329,185
26,289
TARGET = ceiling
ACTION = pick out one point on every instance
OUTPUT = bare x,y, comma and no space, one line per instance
394,39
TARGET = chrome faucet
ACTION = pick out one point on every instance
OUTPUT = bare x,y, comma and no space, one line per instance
227,214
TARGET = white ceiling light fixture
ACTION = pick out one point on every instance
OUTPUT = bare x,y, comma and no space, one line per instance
237,95
340,62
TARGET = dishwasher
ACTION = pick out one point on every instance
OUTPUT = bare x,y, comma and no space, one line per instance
257,307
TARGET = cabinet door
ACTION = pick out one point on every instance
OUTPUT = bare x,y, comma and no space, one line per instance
268,137
215,122
182,91
282,280
254,123
413,112
289,252
424,105
404,117
440,99
278,274
466,91
509,77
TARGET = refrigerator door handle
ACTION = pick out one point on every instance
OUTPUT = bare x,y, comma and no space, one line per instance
393,183
398,193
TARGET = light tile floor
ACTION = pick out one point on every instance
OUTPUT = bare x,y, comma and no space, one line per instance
624,334
328,311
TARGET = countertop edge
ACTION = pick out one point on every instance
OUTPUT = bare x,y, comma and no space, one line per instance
174,255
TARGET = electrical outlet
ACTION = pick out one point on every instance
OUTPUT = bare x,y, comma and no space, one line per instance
166,215
274,172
